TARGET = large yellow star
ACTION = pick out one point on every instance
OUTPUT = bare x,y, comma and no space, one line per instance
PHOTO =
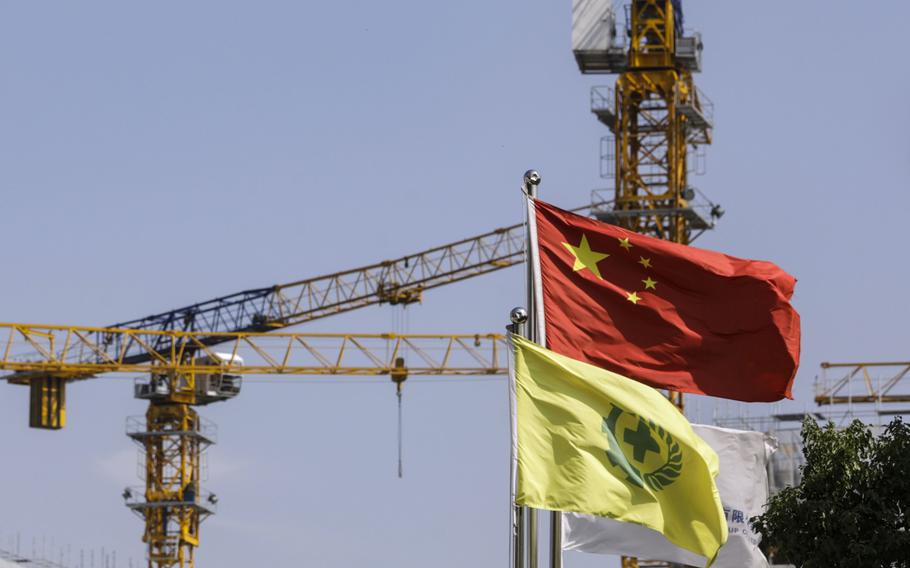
633,297
585,257
650,284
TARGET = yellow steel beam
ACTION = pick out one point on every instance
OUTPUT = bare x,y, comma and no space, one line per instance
858,385
31,351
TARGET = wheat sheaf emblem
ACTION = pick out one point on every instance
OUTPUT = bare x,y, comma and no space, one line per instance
645,437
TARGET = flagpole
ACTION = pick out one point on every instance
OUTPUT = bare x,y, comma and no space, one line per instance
519,318
529,187
555,539
535,334
519,544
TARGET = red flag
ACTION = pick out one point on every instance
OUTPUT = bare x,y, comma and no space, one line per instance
668,315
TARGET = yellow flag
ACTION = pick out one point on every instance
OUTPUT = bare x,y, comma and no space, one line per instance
591,441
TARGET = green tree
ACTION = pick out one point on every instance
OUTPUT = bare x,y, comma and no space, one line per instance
851,508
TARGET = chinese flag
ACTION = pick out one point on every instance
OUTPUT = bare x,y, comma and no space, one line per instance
668,315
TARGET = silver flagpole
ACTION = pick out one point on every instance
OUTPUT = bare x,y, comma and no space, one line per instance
555,539
529,187
519,318
519,537
531,181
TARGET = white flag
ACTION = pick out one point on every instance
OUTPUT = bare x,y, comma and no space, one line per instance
743,487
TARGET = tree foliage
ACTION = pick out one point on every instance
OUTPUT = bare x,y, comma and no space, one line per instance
851,507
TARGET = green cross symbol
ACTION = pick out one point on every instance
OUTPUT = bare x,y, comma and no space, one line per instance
641,441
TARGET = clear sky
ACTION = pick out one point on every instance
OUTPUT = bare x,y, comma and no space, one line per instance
155,154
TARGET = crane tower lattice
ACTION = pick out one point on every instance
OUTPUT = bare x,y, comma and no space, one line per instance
655,115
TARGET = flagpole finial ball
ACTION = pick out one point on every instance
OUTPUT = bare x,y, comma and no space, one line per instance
532,177
518,315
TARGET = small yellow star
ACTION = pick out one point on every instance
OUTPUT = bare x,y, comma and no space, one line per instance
646,262
585,257
650,284
633,297
624,243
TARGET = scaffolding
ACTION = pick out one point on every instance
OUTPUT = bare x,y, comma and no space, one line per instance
784,468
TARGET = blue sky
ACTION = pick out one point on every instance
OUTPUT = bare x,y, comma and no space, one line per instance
155,154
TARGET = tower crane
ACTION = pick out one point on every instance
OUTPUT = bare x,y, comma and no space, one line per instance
400,281
655,115
176,348
191,372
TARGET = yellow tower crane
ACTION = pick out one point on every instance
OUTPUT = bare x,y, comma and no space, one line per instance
658,119
193,372
401,281
176,348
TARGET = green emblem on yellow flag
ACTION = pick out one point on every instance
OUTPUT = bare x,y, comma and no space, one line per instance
643,438
591,441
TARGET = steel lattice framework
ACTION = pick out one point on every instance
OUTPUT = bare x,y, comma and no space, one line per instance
399,281
191,372
879,382
655,114
173,505
67,352
177,349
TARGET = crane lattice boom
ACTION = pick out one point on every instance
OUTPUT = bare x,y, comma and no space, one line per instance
78,352
399,281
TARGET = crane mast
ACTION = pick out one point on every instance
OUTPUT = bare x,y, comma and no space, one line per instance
658,116
654,112
655,115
